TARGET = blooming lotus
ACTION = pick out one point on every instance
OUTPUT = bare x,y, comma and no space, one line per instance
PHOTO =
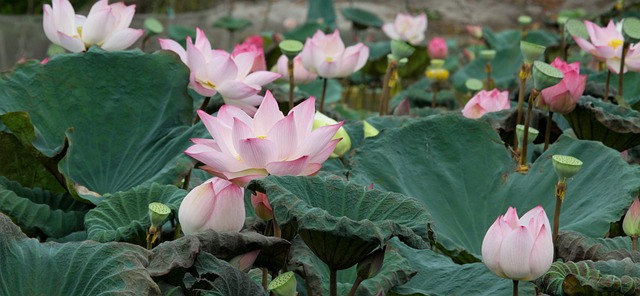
216,204
254,44
519,249
106,26
437,48
326,55
245,148
217,71
631,222
300,74
407,28
562,97
486,101
606,44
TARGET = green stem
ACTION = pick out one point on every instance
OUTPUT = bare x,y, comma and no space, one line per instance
561,188
515,287
385,87
355,286
291,81
150,239
634,243
524,74
203,107
620,97
333,282
277,232
324,92
606,86
176,231
434,94
525,138
187,179
265,279
547,132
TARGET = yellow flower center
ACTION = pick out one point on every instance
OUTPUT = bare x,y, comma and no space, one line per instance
615,43
261,137
207,84
329,59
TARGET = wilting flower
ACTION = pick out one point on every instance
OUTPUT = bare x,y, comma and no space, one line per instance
216,204
562,97
300,74
437,48
407,28
486,101
214,71
606,44
519,249
106,26
631,222
344,145
254,44
245,148
326,55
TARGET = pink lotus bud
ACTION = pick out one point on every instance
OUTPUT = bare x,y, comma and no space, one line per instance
300,74
403,108
216,204
407,28
631,222
474,31
253,44
245,261
261,206
562,97
486,101
327,56
290,23
438,48
519,249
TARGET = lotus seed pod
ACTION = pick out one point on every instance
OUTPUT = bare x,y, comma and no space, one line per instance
158,212
545,75
436,64
566,166
524,20
284,285
533,133
291,48
473,85
576,28
631,29
401,49
488,55
531,51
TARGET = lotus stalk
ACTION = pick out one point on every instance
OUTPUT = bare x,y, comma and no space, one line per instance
291,49
530,52
515,287
606,86
547,131
523,168
566,167
392,68
620,96
488,56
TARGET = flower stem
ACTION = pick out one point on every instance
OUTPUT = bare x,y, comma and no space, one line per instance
355,286
203,107
606,86
277,232
524,75
525,139
634,243
488,85
291,85
515,287
265,279
547,132
561,189
333,282
324,92
391,67
434,94
620,96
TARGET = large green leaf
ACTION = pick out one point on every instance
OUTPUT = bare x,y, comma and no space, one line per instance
573,246
216,277
126,116
592,278
80,268
438,275
125,215
460,169
505,67
341,221
40,212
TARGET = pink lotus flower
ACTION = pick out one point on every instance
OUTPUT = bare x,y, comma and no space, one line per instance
261,206
519,249
631,222
300,74
606,44
106,26
217,71
326,55
562,97
216,204
474,31
438,48
254,44
486,101
245,148
407,28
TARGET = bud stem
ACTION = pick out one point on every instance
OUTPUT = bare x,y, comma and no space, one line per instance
291,80
434,94
355,286
524,74
277,232
265,279
523,156
561,188
384,100
606,86
634,243
324,92
488,84
547,132
333,282
620,96
515,287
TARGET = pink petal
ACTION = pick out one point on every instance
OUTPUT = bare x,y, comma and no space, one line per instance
196,208
267,115
491,248
541,256
122,39
305,113
317,140
257,152
220,131
168,44
322,155
287,167
228,210
244,62
202,43
49,26
390,30
515,253
218,161
98,25
239,132
260,78
201,89
63,16
70,43
311,169
227,113
234,89
283,133
220,69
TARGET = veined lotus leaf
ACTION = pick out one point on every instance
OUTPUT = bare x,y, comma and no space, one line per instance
217,277
592,278
573,246
126,116
460,170
125,215
504,67
362,18
340,221
613,125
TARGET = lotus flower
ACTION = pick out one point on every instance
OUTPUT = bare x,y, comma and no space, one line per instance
106,26
326,55
606,44
254,44
486,101
300,74
245,148
631,222
437,48
214,71
519,249
562,97
216,204
407,28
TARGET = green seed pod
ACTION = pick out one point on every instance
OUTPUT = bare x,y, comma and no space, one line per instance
284,285
158,212
291,48
566,166
531,51
401,50
533,133
545,75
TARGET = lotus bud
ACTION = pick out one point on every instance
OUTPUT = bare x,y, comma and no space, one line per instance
531,51
545,75
284,285
474,31
576,28
372,264
401,50
631,222
158,212
438,48
488,55
369,130
533,133
344,145
631,29
261,206
524,20
291,48
566,166
473,85
403,108
245,261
